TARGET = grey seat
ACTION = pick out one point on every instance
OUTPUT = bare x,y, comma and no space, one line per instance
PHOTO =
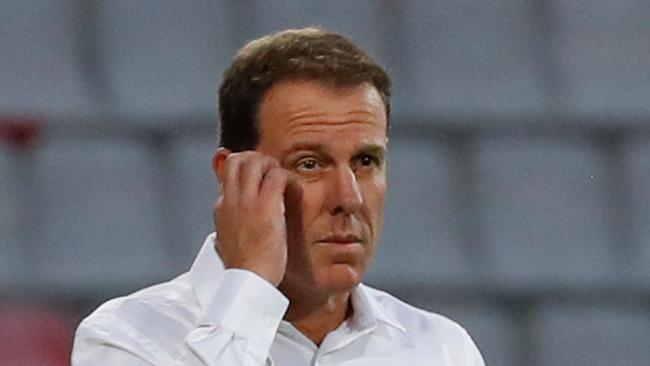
101,217
338,15
603,49
11,241
40,67
421,242
467,57
164,58
196,191
637,159
597,335
543,212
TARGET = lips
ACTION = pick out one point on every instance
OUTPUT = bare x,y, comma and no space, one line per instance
341,239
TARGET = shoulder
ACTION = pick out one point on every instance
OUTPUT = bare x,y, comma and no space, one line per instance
158,316
430,333
418,322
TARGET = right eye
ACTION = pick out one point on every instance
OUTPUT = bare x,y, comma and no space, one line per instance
307,165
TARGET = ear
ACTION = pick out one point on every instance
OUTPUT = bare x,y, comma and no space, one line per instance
218,160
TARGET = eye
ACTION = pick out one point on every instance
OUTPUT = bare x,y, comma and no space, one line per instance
307,165
365,161
368,160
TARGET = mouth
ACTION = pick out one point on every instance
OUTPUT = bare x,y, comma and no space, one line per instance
341,239
347,249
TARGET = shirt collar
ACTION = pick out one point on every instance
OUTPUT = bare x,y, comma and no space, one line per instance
368,311
205,271
208,267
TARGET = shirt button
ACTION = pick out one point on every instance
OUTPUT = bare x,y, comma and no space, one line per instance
270,321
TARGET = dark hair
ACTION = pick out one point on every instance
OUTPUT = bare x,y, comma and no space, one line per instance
310,53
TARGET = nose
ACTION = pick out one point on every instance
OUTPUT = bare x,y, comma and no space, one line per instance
345,194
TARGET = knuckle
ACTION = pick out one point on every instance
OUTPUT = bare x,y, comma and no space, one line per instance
240,155
246,158
276,173
252,156
231,160
277,176
272,162
248,154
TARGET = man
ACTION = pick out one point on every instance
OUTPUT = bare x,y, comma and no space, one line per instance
302,167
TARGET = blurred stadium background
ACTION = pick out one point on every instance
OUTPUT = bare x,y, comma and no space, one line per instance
519,166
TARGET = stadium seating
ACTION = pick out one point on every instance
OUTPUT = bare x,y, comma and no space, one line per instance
164,58
533,233
467,57
543,214
338,15
637,160
101,216
592,335
41,73
602,51
421,240
34,335
196,192
11,244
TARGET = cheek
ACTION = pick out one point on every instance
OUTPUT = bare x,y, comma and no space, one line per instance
312,202
374,197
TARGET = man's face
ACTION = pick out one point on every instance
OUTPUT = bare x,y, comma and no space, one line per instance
334,141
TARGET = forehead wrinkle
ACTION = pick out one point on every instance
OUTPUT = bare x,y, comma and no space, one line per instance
318,126
297,131
296,117
306,113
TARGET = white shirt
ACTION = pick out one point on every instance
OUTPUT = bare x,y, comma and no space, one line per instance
216,316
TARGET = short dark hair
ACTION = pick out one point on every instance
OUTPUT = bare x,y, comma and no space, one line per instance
307,53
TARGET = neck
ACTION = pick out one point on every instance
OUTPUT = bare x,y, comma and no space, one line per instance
315,319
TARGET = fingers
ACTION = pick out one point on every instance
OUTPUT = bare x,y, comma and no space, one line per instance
245,174
250,214
252,173
230,178
274,185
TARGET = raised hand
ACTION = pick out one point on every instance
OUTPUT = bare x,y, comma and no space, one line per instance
249,215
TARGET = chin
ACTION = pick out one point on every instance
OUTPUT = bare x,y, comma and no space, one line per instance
341,277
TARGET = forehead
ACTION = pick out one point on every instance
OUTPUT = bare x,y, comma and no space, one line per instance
303,110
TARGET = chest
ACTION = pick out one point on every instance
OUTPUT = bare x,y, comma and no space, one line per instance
368,350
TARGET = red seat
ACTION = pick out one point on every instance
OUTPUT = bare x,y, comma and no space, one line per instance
34,335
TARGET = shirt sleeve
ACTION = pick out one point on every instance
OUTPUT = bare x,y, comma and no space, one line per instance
237,328
245,313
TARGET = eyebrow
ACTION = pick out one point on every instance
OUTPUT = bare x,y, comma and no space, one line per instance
302,146
374,149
